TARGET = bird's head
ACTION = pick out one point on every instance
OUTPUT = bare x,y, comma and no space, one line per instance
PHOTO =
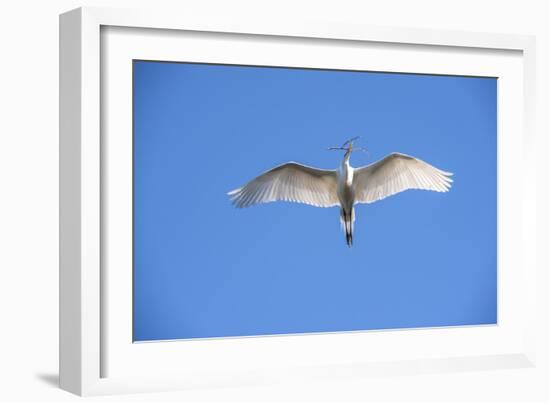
348,146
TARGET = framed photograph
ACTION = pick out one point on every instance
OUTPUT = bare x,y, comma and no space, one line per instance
249,202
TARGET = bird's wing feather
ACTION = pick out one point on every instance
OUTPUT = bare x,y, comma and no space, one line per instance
396,173
289,182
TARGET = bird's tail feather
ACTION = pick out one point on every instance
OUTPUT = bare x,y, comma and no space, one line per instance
347,220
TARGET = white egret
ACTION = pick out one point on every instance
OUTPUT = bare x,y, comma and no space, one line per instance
343,187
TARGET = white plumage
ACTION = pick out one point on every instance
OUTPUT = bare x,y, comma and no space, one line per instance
395,173
343,187
291,182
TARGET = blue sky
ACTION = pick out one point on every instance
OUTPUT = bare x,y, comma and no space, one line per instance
203,268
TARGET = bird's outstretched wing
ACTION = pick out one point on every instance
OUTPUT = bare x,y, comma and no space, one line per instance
289,182
396,173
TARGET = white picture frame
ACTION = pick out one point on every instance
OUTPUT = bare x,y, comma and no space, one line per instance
96,354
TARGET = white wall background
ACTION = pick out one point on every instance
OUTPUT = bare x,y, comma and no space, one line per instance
29,209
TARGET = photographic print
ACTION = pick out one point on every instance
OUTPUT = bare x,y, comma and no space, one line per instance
279,200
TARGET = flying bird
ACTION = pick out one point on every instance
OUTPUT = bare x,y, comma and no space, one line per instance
343,187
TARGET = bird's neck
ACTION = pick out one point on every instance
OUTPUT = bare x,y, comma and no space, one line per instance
345,161
346,171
